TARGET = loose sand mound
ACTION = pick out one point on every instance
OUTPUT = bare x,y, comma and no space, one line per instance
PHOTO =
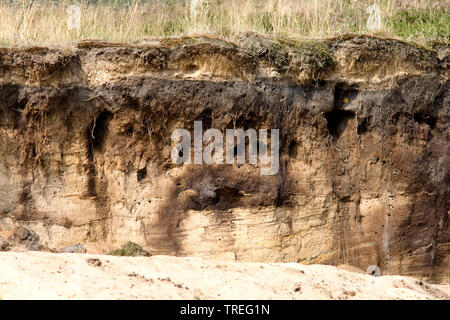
41,275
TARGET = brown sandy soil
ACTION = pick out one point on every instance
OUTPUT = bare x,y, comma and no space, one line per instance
42,275
85,150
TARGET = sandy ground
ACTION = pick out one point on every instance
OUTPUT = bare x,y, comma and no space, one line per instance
42,275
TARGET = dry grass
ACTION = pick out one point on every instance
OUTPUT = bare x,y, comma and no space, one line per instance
43,22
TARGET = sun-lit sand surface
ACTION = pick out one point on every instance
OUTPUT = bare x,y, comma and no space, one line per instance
42,275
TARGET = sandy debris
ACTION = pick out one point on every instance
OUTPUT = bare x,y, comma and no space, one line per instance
42,275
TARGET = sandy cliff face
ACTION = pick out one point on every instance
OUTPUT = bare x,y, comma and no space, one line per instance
364,150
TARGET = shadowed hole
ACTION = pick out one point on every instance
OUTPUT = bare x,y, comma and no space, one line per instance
424,118
337,121
141,174
100,130
343,94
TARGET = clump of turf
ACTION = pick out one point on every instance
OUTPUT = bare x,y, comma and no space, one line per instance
290,55
130,249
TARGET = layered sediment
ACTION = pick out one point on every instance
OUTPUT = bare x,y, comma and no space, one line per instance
85,152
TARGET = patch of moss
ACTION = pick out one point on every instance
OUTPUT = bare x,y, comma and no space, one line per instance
130,249
290,55
312,55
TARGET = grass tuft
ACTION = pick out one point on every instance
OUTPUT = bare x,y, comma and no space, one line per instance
422,25
130,249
